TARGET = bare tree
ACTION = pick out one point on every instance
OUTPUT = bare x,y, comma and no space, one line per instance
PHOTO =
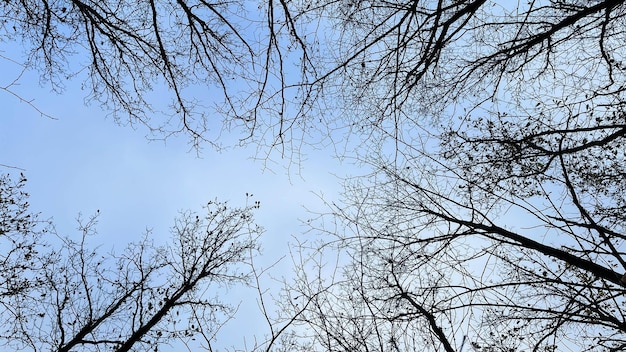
426,259
492,218
138,300
21,233
220,62
282,73
389,70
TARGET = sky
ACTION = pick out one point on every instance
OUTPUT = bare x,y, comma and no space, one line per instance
81,162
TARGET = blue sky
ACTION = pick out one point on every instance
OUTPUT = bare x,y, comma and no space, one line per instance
81,162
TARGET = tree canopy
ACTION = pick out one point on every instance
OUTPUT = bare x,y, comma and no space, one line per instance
59,293
492,218
491,134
